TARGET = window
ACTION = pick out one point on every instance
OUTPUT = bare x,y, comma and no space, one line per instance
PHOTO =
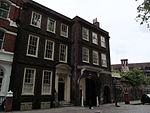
36,19
94,38
85,34
1,77
51,24
85,54
104,60
64,30
49,50
1,39
103,43
28,82
95,58
4,9
63,53
32,48
46,82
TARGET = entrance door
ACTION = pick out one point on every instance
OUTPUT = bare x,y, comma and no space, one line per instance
107,98
61,88
90,92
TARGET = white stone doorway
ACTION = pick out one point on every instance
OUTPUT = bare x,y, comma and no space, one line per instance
62,82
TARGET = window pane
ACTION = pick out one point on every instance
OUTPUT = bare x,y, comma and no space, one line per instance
85,34
103,43
4,9
51,25
63,53
49,49
46,82
28,80
104,60
1,38
94,38
85,54
64,30
32,46
95,57
36,19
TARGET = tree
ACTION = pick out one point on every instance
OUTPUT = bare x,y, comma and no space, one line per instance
144,13
135,77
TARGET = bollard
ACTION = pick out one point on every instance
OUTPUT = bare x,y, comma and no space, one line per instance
9,98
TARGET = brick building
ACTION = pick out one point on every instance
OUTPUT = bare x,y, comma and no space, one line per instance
125,66
61,59
8,33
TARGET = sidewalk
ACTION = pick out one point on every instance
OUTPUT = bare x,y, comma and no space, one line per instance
105,108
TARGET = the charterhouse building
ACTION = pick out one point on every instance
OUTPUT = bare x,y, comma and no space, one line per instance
56,59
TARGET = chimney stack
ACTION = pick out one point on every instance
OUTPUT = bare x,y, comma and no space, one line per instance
124,65
95,22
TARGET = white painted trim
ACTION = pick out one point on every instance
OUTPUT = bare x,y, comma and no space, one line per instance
97,57
52,50
7,31
61,30
88,34
50,92
54,25
32,17
66,57
37,46
88,55
32,93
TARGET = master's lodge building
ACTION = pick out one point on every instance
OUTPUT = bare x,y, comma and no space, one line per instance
58,59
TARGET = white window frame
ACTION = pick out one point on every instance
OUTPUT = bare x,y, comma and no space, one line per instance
103,42
2,40
86,61
37,46
48,21
4,10
52,58
83,35
94,38
34,74
104,59
66,56
61,32
39,26
95,52
50,85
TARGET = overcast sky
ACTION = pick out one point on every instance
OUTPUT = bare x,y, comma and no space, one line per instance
128,39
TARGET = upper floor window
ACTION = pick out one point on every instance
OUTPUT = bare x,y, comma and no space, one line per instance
49,50
95,58
28,81
1,77
85,34
36,19
94,38
64,30
32,47
1,39
103,42
85,54
51,25
63,53
104,60
46,82
4,9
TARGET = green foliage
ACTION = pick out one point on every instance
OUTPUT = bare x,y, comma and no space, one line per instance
135,77
144,13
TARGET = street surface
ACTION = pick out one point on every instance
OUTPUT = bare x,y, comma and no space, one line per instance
133,107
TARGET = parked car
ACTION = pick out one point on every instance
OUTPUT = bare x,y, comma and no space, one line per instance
145,98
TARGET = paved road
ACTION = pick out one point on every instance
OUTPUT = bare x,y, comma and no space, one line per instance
134,107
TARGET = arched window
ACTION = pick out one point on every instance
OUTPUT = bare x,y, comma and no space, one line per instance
4,9
1,77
